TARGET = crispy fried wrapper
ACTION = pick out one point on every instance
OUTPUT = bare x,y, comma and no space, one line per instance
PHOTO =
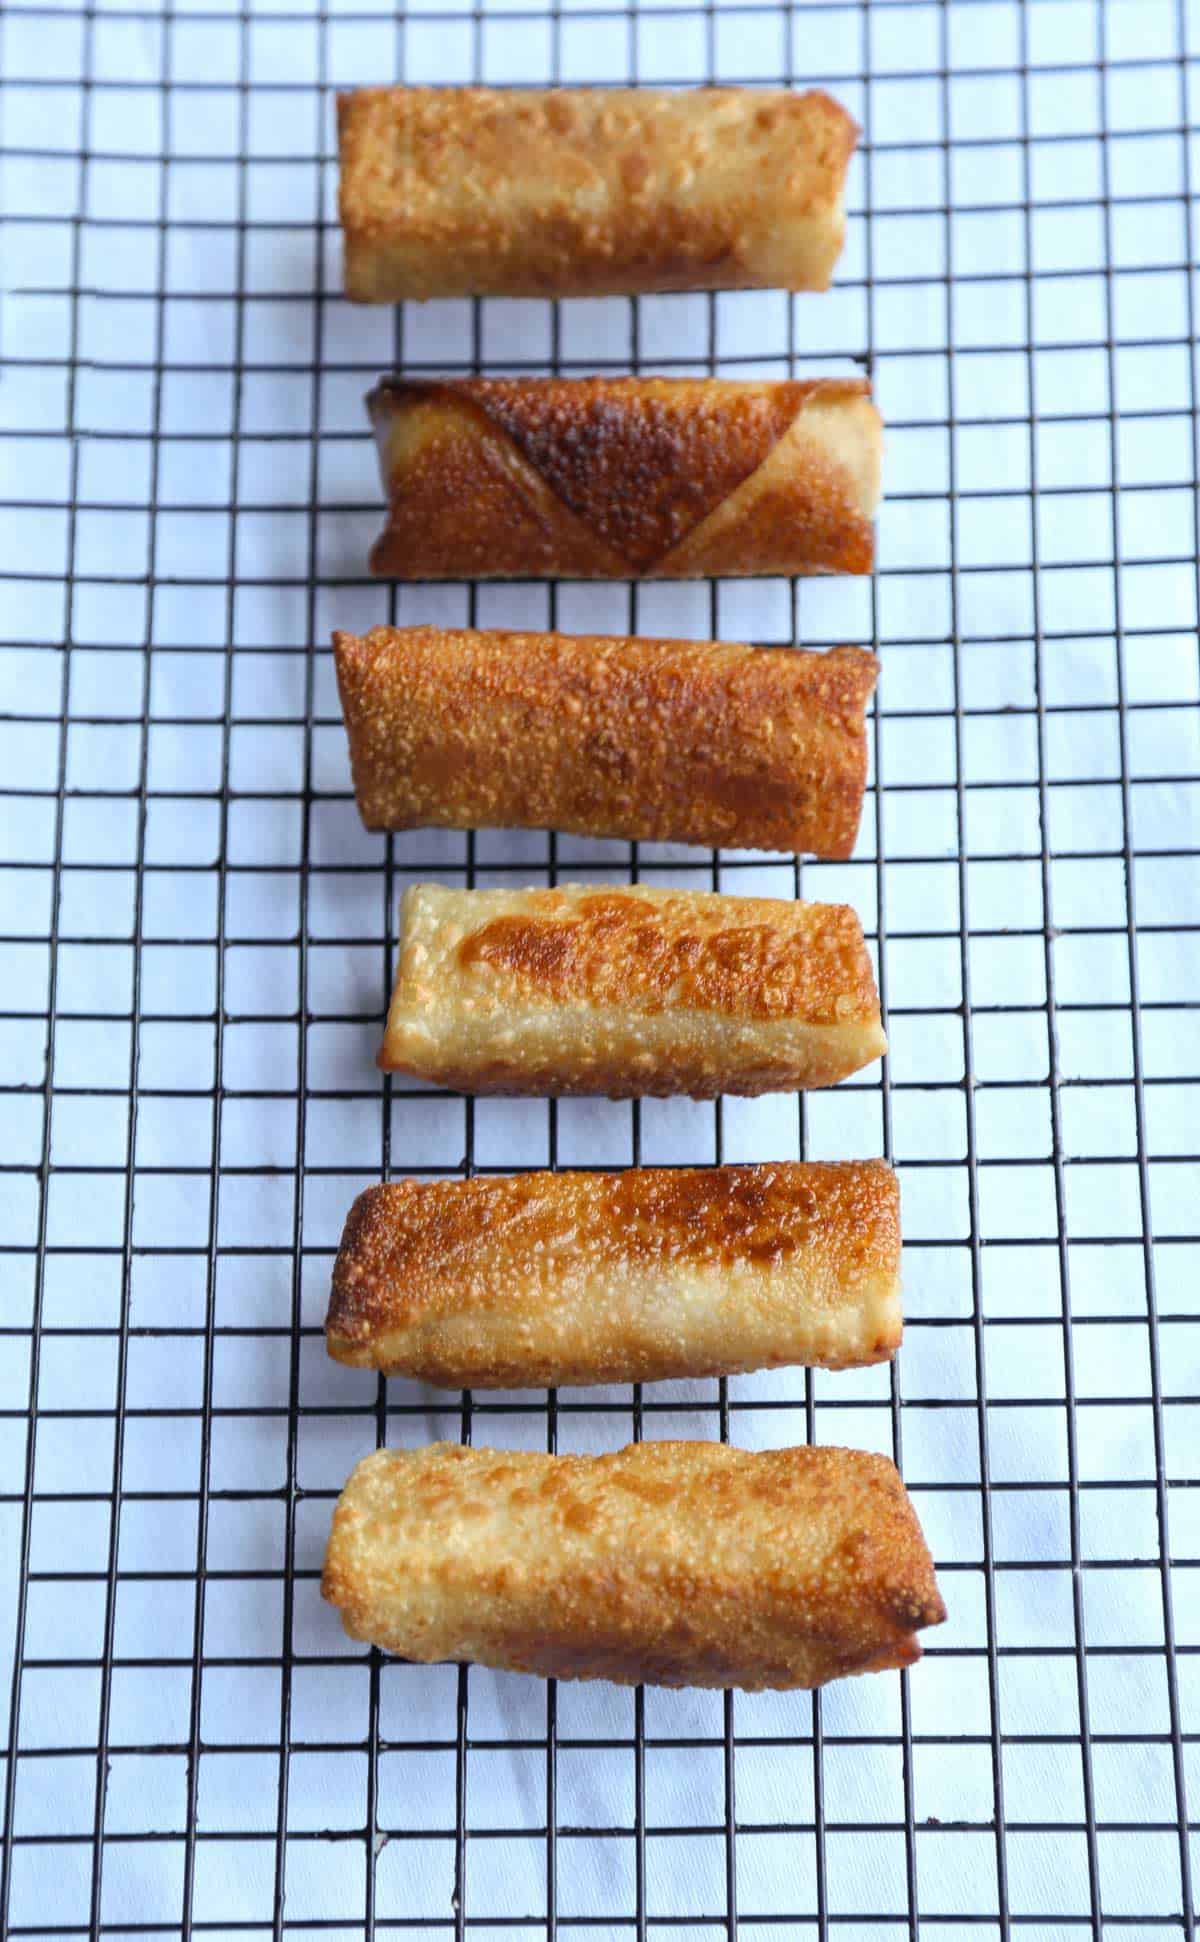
678,741
678,1564
460,192
628,991
625,478
547,1279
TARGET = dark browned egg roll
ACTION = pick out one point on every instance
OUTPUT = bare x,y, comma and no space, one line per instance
683,741
628,991
625,478
680,1564
546,1279
460,192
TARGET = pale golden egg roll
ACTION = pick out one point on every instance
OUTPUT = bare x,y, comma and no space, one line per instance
677,1564
587,192
681,741
547,1279
625,478
628,991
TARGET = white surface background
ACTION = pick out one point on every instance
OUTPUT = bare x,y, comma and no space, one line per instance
188,492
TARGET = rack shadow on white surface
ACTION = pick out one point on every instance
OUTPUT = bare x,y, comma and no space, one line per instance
195,942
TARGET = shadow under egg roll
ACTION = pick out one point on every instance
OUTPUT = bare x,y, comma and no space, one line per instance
676,741
629,992
677,1564
650,1274
625,478
520,192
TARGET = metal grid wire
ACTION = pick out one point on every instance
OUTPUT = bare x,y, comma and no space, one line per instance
196,938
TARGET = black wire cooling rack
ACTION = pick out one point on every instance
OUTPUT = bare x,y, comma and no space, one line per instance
196,940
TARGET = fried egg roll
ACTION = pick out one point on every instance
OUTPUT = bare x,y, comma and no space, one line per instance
680,741
553,1278
625,478
587,192
628,991
678,1564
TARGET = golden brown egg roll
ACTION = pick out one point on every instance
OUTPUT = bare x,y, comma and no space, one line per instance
657,1272
628,991
625,478
587,192
681,741
678,1564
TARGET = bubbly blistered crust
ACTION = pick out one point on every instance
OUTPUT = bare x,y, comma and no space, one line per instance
623,478
610,949
681,741
554,1278
628,991
449,192
680,1564
640,461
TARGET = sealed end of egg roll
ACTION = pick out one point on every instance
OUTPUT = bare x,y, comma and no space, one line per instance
586,192
548,1279
678,1564
625,478
628,991
679,741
